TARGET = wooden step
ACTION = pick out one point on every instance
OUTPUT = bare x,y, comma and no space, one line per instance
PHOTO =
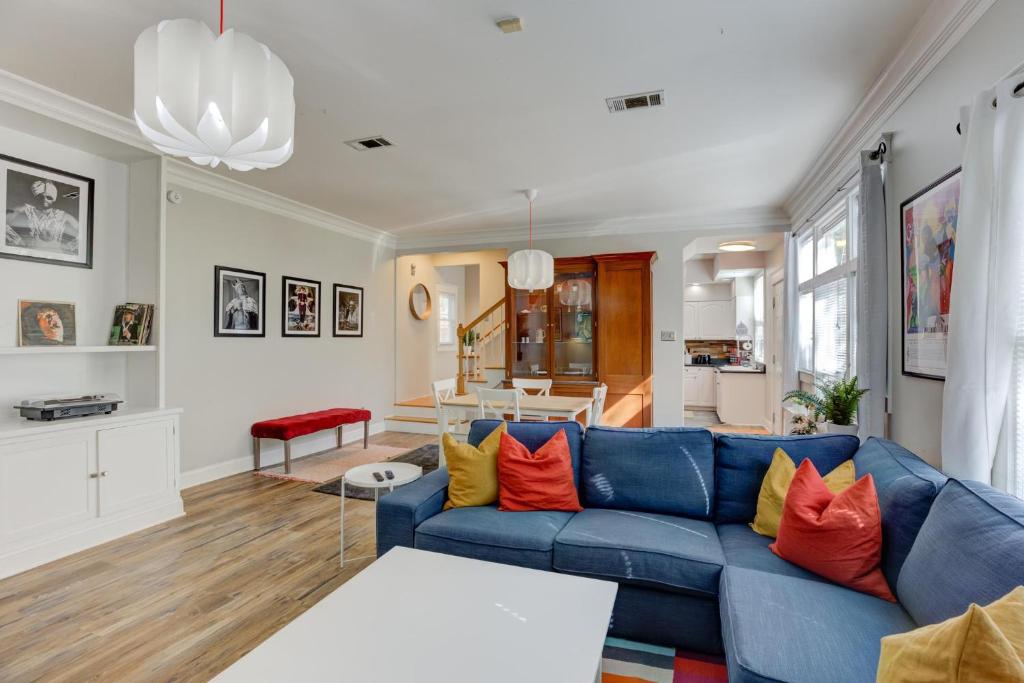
421,420
419,402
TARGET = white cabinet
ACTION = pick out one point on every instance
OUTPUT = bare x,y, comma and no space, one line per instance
709,320
699,387
66,486
741,398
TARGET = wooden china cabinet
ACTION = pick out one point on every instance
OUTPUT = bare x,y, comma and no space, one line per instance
592,326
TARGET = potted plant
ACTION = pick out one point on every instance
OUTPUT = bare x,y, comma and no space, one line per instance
468,339
833,405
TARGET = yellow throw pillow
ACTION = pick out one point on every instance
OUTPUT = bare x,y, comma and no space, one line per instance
776,485
982,644
472,470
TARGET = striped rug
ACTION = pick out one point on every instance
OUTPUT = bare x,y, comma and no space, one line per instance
628,662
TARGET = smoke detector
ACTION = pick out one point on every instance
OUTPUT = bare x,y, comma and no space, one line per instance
654,98
374,142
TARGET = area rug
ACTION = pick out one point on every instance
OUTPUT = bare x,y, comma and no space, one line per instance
424,456
626,661
317,469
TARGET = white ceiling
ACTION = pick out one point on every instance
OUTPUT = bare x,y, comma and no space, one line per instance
753,91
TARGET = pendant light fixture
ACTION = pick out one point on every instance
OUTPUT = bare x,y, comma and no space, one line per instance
213,98
531,268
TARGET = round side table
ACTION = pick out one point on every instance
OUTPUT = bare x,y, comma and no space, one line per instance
362,476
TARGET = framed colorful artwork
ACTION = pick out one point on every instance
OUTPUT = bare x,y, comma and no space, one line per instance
301,303
928,250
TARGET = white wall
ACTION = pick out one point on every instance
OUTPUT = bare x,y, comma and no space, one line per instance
925,147
94,291
226,384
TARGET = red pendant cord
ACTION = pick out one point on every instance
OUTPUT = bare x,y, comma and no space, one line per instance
531,224
222,17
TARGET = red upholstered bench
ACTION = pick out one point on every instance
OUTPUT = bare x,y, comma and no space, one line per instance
287,428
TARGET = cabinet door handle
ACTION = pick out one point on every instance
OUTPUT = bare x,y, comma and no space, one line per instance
104,473
94,475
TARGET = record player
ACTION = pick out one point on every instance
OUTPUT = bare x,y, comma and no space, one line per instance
68,406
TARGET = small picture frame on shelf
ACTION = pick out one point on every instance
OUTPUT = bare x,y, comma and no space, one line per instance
300,303
348,311
239,302
47,214
46,323
132,326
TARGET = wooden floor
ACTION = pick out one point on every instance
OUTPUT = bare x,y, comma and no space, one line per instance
183,600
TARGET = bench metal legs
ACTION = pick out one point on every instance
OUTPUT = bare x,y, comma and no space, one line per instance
366,434
256,453
288,447
339,434
287,457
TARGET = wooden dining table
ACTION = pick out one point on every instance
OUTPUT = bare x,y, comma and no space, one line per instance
567,407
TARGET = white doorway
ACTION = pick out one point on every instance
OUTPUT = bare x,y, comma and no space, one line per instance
774,356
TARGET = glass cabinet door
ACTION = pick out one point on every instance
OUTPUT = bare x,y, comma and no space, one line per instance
529,328
572,320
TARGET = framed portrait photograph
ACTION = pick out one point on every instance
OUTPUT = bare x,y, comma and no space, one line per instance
348,311
928,223
300,299
46,323
47,214
239,302
132,325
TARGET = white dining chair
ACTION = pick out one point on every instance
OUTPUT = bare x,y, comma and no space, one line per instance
535,387
443,389
597,409
497,403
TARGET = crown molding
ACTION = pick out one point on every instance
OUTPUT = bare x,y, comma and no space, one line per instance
763,219
941,27
186,175
56,105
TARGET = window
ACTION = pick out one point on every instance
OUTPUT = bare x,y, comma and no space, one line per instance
447,310
827,273
759,318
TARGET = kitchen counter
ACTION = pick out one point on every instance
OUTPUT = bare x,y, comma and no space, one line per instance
741,368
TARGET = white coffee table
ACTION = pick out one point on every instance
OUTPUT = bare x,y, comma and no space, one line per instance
362,476
416,616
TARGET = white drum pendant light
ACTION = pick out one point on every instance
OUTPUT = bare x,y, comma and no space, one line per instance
531,268
213,98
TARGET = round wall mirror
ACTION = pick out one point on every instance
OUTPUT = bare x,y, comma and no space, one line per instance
419,302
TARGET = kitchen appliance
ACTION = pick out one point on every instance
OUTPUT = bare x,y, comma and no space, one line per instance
702,359
58,408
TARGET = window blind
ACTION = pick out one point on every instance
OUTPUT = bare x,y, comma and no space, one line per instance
831,333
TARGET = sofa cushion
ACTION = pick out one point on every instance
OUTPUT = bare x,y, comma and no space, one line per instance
642,548
485,533
743,547
969,549
741,462
779,628
906,487
669,470
533,435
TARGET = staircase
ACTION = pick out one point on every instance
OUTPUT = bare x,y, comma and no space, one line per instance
484,366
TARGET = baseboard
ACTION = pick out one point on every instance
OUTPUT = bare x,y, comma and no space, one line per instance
272,453
90,534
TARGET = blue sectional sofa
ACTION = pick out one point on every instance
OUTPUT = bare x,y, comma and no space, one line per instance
666,516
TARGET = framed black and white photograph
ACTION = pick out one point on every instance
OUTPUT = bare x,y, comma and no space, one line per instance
348,311
47,214
300,299
239,302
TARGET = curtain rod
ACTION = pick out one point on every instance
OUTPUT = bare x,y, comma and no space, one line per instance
1010,74
878,153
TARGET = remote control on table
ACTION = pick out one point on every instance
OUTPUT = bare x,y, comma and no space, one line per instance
389,474
378,476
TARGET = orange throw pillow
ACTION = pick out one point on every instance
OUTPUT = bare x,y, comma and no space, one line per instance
838,536
536,481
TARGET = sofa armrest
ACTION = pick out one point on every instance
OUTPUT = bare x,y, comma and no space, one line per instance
400,512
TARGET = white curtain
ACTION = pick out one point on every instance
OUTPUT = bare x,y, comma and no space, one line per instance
791,310
872,298
986,298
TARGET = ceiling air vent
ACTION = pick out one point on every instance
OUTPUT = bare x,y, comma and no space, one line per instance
368,143
655,98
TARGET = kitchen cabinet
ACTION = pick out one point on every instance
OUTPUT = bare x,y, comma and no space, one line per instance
709,320
691,320
69,485
699,387
740,398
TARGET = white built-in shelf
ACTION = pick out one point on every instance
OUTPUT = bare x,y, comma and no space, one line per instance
29,350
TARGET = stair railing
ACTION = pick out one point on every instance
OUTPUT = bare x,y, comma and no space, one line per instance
488,344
